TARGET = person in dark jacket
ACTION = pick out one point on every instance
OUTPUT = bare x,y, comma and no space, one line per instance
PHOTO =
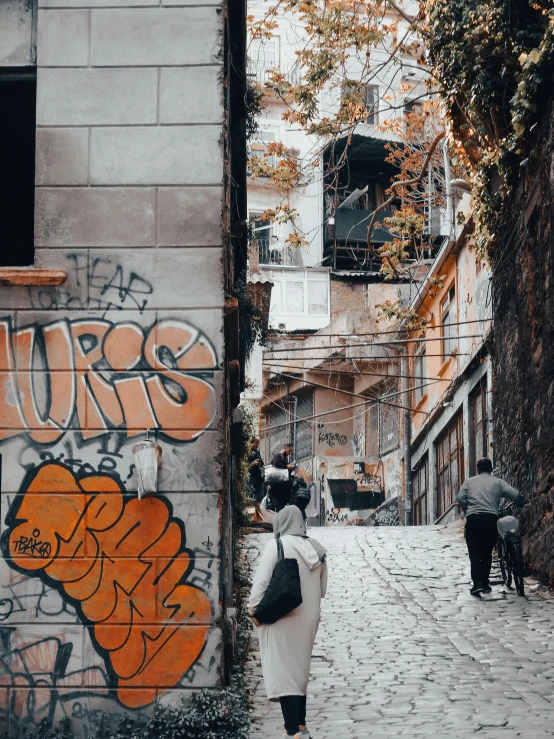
256,467
480,498
280,492
281,460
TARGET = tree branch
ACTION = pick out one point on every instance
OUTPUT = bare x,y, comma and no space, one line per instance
405,183
412,20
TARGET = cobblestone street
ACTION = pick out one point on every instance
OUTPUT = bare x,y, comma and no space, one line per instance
403,649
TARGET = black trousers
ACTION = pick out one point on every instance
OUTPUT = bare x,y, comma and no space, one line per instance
294,712
481,534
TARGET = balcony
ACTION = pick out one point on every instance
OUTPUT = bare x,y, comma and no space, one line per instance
346,246
351,225
261,71
274,252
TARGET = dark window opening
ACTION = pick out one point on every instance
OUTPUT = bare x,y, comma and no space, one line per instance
419,374
382,433
420,482
450,464
372,104
18,91
479,438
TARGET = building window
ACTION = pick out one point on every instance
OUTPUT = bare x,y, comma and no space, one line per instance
419,373
278,427
411,106
304,430
450,464
382,421
420,483
262,233
284,425
372,431
478,442
448,323
372,104
18,91
265,52
259,147
389,426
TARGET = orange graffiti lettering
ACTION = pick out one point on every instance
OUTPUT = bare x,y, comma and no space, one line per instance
124,564
98,377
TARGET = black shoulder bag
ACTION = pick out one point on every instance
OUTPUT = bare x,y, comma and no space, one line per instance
283,593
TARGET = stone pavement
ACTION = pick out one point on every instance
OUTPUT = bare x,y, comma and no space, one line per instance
403,649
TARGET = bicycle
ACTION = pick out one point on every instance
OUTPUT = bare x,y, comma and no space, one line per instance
508,549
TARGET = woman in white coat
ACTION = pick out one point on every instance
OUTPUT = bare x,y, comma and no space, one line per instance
286,646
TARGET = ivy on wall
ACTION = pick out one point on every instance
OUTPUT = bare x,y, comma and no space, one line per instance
493,62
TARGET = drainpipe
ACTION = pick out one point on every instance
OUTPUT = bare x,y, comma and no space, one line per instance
407,436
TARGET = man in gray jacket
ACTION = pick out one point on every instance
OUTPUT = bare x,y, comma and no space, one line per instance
479,498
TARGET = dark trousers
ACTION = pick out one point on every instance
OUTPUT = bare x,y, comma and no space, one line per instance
481,534
294,712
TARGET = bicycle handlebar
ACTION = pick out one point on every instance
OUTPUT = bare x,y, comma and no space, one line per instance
509,507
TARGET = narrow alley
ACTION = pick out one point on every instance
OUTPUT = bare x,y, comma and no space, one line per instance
403,649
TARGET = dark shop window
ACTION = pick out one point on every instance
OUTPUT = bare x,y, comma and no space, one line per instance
18,91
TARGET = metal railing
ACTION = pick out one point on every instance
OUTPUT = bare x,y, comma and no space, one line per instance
277,252
261,71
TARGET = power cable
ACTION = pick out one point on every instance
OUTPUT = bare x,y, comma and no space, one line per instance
352,373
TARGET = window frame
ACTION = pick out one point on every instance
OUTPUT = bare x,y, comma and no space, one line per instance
372,117
419,366
478,396
449,310
18,249
259,145
420,504
445,455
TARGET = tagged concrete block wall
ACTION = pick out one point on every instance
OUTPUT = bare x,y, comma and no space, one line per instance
108,603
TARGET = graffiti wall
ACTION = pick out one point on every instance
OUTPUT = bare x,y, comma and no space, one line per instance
106,602
109,604
352,489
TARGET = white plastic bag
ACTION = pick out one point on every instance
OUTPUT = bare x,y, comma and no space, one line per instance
276,474
147,456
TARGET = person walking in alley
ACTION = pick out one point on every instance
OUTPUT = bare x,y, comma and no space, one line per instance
479,498
281,491
256,468
286,646
281,459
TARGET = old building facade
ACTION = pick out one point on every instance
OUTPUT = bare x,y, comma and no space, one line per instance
451,380
118,318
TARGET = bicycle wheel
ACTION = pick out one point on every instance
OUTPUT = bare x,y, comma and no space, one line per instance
516,564
504,562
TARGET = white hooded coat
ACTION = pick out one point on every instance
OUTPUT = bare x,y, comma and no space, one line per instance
286,646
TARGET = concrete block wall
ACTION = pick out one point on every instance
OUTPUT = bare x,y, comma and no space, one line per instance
109,604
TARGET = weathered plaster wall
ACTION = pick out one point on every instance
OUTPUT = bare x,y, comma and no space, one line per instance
523,358
452,382
108,603
333,432
342,506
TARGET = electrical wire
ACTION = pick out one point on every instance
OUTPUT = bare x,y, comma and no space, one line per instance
354,395
383,333
392,342
350,373
371,401
337,357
